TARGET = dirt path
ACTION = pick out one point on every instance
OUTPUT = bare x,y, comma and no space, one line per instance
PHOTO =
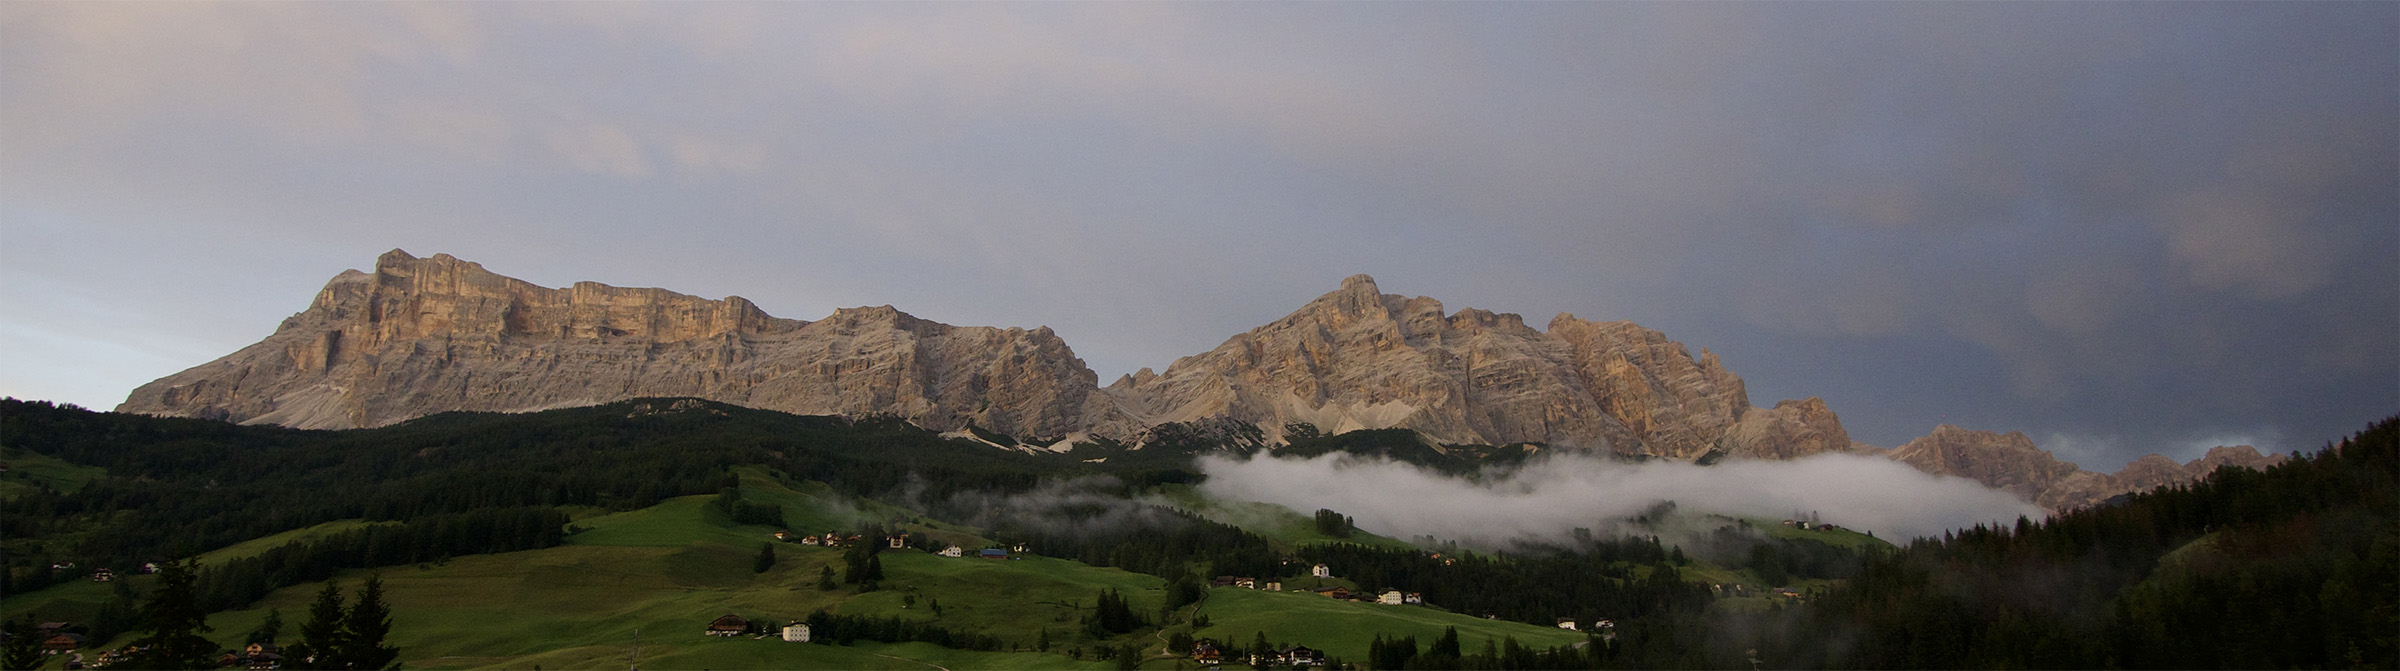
1161,634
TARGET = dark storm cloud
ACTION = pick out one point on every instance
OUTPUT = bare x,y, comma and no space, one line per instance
2117,227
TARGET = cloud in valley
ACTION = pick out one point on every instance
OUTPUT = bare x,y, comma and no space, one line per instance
1548,497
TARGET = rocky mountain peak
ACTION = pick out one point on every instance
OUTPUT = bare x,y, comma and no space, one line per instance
2234,455
1357,358
424,335
2008,461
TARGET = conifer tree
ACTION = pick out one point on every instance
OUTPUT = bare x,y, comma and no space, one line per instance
175,623
321,636
268,629
24,650
766,558
364,627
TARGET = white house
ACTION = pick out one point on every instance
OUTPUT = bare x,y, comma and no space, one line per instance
954,552
1389,597
797,632
1567,623
1273,586
1321,571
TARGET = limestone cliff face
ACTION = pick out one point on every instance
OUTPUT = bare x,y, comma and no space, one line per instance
2002,461
2011,462
421,336
1358,358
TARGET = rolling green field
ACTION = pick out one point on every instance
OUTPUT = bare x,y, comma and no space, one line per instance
260,545
1841,538
1343,629
29,470
638,587
1275,523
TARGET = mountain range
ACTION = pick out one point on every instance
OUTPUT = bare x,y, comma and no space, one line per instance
419,336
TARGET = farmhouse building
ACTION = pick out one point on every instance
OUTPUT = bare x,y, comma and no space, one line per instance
796,632
1321,571
729,625
61,644
954,552
1207,654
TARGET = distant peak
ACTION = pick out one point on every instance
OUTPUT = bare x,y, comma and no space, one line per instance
395,257
1360,282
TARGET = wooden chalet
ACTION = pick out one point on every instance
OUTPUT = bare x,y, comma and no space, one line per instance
1300,655
60,644
729,625
1207,654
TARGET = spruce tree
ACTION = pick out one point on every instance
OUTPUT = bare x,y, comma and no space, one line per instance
364,627
175,623
321,636
24,650
269,629
766,558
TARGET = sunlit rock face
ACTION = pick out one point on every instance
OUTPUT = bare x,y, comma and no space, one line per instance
421,336
1358,358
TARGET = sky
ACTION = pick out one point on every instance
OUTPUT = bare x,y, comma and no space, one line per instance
2119,228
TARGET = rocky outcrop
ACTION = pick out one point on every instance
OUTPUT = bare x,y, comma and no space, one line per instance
2006,461
2011,462
421,336
1358,358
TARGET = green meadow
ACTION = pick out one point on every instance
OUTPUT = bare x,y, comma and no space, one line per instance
1343,628
638,587
31,470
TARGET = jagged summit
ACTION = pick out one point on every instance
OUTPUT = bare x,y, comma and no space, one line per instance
418,336
424,335
1356,358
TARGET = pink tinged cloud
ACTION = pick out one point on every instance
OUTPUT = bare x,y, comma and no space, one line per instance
1547,498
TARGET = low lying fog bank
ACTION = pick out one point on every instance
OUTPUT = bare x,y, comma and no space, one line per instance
1548,497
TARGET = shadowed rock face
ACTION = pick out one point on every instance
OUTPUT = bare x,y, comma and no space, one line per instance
1361,359
421,336
2011,462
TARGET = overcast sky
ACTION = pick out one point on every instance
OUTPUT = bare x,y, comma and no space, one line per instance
2118,228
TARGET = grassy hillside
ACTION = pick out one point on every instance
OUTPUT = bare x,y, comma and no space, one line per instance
1284,526
666,570
1343,628
29,470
